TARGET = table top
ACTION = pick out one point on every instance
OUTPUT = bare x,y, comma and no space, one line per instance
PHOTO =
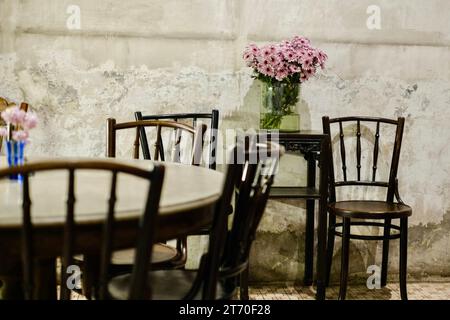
185,188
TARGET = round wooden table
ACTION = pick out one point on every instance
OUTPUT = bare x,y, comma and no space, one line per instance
187,202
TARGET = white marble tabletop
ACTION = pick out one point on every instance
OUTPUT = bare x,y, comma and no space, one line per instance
185,188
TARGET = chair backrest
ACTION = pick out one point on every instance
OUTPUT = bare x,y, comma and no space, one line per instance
359,122
5,103
213,118
250,173
24,106
179,128
145,233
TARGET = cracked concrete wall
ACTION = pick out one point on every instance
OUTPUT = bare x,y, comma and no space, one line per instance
174,56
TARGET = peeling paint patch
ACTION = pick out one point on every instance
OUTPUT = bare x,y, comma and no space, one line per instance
63,89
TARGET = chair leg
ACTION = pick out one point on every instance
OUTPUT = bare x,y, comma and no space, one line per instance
243,286
87,285
385,257
344,258
403,257
89,277
309,244
330,246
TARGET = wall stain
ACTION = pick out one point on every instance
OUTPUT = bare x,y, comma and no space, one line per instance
408,91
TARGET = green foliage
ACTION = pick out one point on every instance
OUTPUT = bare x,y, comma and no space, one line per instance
278,99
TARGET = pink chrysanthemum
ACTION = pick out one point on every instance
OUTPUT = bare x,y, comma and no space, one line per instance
21,122
3,132
289,58
13,115
30,121
266,51
274,60
290,55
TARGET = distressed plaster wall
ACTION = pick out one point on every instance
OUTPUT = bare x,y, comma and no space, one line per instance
173,56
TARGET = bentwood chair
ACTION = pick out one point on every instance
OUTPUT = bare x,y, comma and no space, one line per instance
367,213
70,246
164,256
251,173
212,117
168,257
194,119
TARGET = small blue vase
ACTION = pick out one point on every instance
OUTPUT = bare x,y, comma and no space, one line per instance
15,156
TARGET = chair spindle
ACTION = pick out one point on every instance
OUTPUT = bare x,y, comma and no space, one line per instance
158,155
341,137
27,241
67,258
358,149
136,143
108,230
375,151
176,146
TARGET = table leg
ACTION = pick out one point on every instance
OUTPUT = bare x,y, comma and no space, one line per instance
45,282
309,228
11,288
322,219
90,276
321,252
11,280
46,279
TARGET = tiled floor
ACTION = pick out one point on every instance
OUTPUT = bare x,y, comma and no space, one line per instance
416,291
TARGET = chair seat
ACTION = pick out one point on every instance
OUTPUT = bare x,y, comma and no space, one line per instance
166,285
161,253
367,209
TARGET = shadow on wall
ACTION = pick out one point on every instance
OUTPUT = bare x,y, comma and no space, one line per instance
247,115
304,112
279,256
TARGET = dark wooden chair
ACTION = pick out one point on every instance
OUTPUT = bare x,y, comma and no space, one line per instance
227,257
358,212
164,256
70,246
193,118
212,117
167,256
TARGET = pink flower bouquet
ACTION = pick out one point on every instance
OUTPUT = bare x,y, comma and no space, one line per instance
19,124
281,68
292,60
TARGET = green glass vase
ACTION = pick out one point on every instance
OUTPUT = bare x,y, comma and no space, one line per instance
279,106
